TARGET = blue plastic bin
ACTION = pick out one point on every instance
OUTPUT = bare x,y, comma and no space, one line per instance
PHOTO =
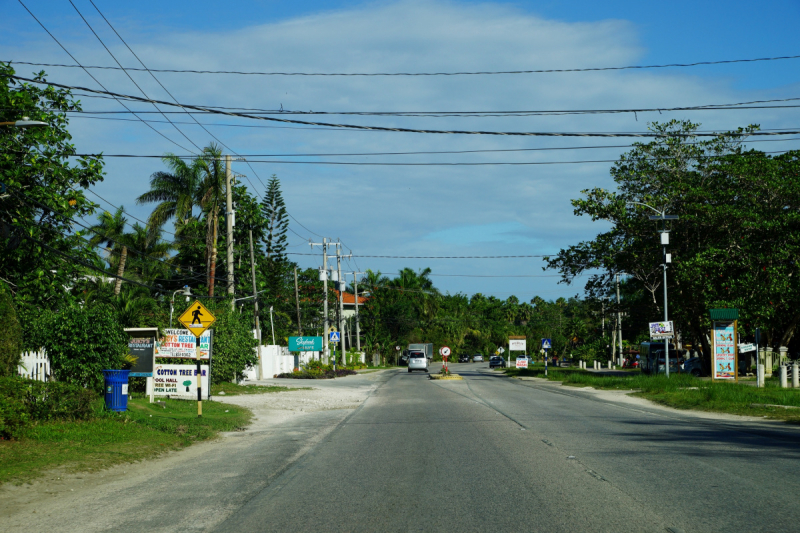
116,386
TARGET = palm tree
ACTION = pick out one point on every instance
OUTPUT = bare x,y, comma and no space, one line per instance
110,231
153,260
176,191
212,195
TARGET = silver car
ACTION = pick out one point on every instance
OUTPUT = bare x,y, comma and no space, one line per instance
417,361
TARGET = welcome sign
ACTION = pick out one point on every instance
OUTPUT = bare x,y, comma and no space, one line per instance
305,344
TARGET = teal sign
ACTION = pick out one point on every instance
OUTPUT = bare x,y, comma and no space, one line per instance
305,344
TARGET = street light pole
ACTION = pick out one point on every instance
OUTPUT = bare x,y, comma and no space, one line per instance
666,258
186,291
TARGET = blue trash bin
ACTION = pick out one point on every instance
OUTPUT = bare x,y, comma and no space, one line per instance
116,387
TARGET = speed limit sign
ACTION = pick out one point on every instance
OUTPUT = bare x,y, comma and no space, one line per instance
444,351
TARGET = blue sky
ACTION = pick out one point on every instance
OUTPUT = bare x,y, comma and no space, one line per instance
381,210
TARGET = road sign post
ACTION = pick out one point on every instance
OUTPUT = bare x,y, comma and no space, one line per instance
444,351
197,319
334,337
546,345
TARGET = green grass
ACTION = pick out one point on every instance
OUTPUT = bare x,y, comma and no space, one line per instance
144,431
233,389
684,391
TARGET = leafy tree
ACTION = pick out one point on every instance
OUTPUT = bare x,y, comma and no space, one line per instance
734,244
42,193
110,231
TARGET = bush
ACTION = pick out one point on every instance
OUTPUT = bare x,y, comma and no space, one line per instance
23,401
11,339
317,370
81,343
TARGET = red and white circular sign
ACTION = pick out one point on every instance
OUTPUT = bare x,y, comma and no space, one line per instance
444,351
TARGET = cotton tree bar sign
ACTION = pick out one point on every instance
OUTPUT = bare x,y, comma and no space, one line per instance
724,351
661,330
181,344
179,381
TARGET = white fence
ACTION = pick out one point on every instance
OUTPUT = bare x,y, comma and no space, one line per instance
35,365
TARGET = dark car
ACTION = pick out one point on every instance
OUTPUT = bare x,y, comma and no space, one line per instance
463,358
693,366
403,361
497,361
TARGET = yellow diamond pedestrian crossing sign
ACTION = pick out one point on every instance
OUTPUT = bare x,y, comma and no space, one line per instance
197,318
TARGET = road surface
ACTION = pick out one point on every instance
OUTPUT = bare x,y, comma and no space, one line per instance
487,453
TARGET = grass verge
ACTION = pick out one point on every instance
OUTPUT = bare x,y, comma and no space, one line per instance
144,431
684,391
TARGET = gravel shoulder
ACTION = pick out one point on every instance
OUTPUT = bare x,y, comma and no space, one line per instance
165,493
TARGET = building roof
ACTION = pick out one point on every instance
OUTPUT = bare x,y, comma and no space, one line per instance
350,299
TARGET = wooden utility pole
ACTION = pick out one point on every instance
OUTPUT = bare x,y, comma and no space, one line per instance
358,329
255,302
297,301
229,220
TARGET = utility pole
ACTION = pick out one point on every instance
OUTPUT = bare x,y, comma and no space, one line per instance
342,285
297,301
324,276
229,219
619,324
255,301
358,327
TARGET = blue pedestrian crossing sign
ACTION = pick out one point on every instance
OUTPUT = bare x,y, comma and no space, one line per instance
334,336
547,344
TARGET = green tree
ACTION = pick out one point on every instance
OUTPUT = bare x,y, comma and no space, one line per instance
11,339
110,232
42,192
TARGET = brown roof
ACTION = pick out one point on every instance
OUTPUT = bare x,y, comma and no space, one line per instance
350,299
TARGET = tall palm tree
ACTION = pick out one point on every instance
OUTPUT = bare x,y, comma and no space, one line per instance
212,196
110,231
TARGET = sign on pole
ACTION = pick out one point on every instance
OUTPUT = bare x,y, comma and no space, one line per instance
334,336
182,344
517,344
547,344
747,348
444,351
176,381
522,363
501,350
305,344
661,330
142,345
197,318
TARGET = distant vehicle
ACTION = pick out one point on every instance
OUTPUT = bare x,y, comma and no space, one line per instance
417,361
403,361
652,358
694,366
426,348
463,358
477,358
496,361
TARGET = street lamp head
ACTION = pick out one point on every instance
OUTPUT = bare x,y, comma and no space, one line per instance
664,217
28,123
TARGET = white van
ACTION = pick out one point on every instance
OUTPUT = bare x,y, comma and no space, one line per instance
417,361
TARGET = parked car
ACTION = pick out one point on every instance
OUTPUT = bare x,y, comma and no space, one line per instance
477,358
694,366
417,361
496,361
463,358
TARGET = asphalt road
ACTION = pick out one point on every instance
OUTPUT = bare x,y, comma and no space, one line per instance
487,453
495,454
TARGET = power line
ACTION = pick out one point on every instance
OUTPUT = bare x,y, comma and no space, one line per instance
95,79
126,72
404,130
463,73
436,256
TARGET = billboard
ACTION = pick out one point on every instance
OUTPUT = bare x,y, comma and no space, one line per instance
724,351
661,330
517,344
180,344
